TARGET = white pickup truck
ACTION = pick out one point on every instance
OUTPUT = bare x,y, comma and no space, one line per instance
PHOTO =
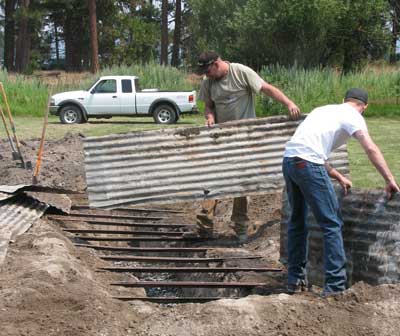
121,96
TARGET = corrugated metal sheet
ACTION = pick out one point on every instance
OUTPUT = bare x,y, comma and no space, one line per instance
10,189
371,237
170,165
7,191
16,217
52,196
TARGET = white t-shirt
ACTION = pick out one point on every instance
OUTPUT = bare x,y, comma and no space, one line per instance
325,129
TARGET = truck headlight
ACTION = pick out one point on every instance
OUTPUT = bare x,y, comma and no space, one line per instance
52,101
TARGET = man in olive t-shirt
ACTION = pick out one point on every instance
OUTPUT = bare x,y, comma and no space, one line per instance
228,93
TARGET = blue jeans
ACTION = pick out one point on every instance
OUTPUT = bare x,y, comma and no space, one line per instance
308,185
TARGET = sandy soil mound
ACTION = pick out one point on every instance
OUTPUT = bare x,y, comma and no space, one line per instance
61,167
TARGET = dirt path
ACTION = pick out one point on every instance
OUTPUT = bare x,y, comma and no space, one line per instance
49,287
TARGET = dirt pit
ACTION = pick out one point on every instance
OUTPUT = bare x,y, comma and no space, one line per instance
50,287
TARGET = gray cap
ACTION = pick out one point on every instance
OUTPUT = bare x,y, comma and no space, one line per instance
358,94
205,60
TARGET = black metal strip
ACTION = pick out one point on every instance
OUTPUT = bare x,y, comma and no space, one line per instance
194,284
189,269
145,249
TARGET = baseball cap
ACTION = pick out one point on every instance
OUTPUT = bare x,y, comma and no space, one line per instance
358,94
205,60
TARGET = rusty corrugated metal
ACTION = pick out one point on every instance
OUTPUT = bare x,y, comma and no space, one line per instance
371,236
4,196
16,217
54,197
170,165
7,191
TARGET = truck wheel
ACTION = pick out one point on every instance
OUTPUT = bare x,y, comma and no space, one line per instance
71,114
165,114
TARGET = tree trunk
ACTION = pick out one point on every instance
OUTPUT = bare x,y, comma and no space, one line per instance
23,44
9,34
175,61
164,33
94,47
395,29
73,37
56,41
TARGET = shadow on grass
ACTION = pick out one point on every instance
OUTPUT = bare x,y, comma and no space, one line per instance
134,123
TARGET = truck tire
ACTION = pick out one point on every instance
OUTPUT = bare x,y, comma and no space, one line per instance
165,114
71,114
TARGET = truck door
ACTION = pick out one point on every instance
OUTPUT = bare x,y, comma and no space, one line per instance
104,98
128,97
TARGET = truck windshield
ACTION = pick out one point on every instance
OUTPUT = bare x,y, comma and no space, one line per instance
92,84
106,86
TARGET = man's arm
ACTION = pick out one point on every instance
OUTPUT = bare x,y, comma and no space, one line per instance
209,113
343,181
376,157
278,95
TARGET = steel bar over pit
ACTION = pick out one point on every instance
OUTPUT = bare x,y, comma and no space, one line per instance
172,259
138,239
189,269
169,299
87,207
194,284
122,232
145,249
87,215
108,223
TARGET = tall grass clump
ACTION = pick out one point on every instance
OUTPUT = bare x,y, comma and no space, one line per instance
153,75
25,97
315,87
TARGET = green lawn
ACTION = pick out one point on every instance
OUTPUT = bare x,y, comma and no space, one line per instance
385,132
31,127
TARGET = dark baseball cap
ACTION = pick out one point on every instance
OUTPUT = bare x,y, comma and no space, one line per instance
205,60
358,94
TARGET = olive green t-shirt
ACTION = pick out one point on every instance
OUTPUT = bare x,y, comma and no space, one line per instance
233,95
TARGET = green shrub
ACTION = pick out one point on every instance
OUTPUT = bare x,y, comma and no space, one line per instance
316,87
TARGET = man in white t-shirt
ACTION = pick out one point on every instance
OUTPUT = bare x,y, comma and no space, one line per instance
307,176
228,93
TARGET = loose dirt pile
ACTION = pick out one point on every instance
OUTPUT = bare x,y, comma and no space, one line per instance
49,287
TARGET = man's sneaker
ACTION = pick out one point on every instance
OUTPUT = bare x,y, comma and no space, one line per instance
298,287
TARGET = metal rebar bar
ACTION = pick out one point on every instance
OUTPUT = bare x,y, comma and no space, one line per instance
108,223
172,259
188,269
88,215
122,232
194,284
144,249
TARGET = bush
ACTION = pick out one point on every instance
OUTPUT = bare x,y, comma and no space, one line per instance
312,88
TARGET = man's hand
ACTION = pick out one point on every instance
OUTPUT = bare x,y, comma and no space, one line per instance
294,111
279,96
345,183
391,188
210,120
